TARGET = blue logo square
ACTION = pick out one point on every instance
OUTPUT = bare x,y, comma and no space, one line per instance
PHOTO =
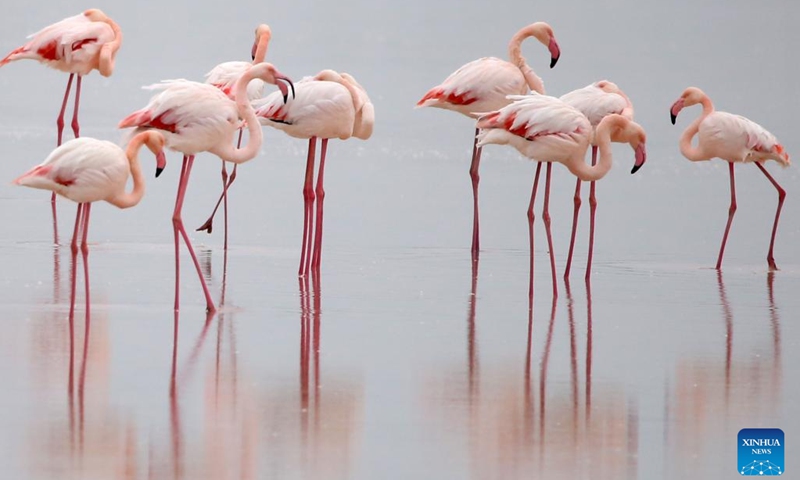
761,451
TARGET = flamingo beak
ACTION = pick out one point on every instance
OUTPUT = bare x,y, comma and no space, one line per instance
641,157
281,81
555,52
675,110
253,51
161,163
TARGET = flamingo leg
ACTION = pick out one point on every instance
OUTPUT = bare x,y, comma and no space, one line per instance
531,217
60,119
226,184
546,220
781,197
476,178
60,126
320,193
577,206
592,211
731,212
85,250
76,128
77,230
308,203
177,222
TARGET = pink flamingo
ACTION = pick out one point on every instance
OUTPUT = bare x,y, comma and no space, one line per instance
224,77
482,86
328,105
77,45
546,129
732,138
87,170
196,117
595,101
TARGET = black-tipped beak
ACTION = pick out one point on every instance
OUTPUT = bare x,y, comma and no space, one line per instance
635,169
282,83
252,57
159,170
672,117
553,61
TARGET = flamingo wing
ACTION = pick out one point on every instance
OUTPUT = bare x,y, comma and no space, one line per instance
595,103
83,170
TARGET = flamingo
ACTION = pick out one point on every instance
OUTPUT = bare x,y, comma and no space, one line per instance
77,45
196,117
224,77
483,86
595,101
87,170
328,105
735,139
546,129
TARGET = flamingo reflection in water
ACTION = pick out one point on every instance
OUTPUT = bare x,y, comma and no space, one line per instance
516,430
86,436
712,388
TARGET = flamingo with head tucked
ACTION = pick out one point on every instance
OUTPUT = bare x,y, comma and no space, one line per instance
196,117
328,105
595,101
87,170
76,45
483,85
224,77
546,129
735,139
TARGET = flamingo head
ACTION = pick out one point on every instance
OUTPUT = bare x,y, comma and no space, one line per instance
624,130
155,142
273,76
263,35
690,96
544,33
95,15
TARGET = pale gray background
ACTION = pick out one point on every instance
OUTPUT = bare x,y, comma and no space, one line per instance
395,400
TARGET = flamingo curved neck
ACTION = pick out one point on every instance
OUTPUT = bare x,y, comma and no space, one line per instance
132,198
591,173
692,153
261,49
109,50
515,56
227,151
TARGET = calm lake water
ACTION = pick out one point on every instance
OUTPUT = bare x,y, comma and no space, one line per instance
400,360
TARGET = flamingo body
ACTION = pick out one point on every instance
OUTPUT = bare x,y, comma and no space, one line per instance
194,117
321,109
540,127
225,75
71,45
738,139
479,86
82,170
596,103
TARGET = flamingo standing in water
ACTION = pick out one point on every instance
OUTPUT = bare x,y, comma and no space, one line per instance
224,77
196,117
87,170
595,101
735,139
328,105
546,129
483,86
77,45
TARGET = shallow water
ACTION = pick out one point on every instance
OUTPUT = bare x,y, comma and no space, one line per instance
400,361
